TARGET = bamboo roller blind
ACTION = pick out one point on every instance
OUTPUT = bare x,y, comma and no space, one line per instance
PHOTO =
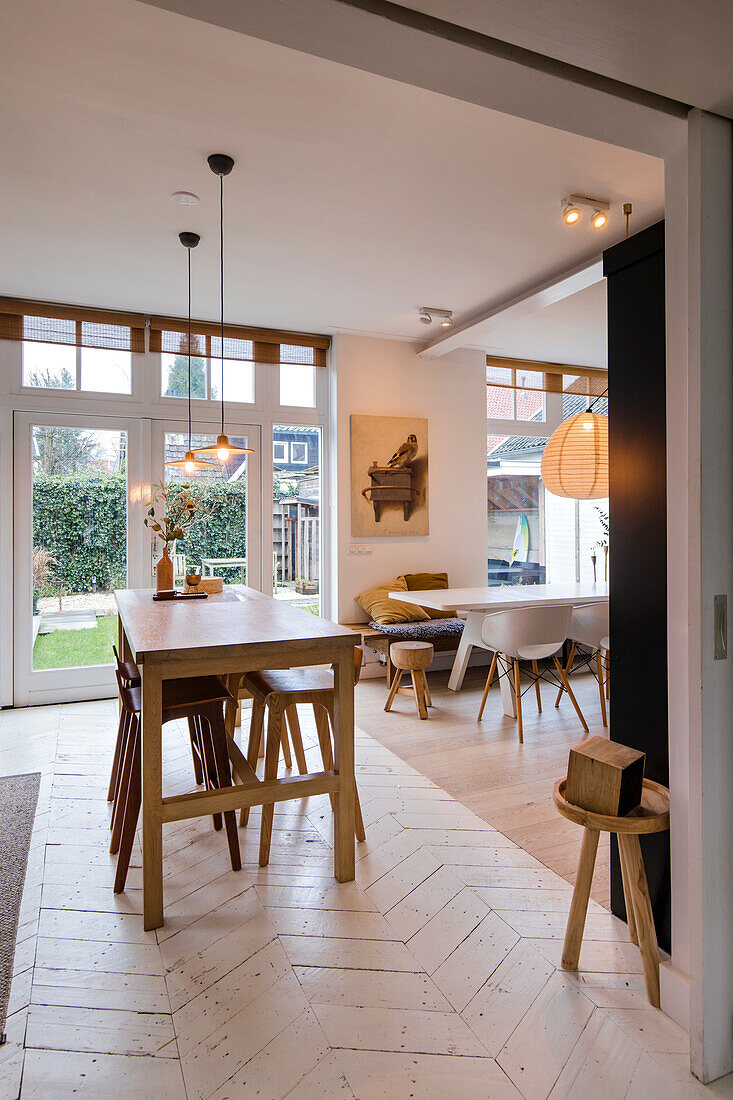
59,324
529,374
54,323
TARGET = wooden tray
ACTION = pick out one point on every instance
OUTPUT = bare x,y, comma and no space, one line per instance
168,596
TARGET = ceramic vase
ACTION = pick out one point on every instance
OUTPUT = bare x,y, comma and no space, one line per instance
164,572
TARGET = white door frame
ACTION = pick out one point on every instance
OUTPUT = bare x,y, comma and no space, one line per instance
34,687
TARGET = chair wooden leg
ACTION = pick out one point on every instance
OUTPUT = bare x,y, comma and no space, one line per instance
291,715
275,722
117,760
284,740
581,894
419,689
518,697
566,684
131,812
123,786
568,666
324,716
536,674
628,896
608,673
645,930
256,725
224,779
208,763
393,689
601,691
125,720
485,695
195,750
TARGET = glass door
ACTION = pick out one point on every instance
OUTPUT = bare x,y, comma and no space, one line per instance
225,540
72,490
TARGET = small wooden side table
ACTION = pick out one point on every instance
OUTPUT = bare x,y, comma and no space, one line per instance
652,816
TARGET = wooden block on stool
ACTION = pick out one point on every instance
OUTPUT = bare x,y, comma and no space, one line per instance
605,777
212,585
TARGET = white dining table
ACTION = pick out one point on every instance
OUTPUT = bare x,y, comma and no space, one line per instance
477,603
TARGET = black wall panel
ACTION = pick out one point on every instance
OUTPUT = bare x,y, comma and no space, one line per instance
638,537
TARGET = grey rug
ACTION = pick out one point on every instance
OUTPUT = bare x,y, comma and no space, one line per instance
18,798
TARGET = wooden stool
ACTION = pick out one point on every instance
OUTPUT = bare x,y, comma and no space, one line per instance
200,699
279,692
412,657
652,816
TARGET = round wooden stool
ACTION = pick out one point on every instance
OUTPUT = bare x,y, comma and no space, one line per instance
412,657
652,816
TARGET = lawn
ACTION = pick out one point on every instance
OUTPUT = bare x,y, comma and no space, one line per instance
74,648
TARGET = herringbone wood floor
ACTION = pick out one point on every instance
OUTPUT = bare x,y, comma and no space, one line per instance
433,975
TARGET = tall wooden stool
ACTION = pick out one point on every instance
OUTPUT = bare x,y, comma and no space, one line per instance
278,694
199,699
412,657
652,816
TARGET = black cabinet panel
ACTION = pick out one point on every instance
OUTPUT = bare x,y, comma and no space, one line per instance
638,534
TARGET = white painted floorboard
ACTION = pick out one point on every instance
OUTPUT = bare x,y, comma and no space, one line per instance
434,975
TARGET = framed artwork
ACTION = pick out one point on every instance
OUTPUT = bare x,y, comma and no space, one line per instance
389,476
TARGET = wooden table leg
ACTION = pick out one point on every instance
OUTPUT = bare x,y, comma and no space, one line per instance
645,930
152,797
344,860
628,895
581,894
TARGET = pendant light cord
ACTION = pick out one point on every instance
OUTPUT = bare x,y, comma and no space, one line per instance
597,399
221,290
188,250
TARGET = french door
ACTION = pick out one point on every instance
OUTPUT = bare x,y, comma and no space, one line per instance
77,508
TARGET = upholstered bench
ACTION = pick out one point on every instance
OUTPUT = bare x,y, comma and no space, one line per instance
443,634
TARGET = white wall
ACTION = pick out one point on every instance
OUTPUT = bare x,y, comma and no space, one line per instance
377,376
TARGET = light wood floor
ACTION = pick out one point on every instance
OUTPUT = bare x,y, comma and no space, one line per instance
483,765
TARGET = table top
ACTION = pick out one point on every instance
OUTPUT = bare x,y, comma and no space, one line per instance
505,597
228,620
223,561
651,816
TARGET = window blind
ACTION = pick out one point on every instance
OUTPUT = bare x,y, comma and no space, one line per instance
529,374
50,323
170,335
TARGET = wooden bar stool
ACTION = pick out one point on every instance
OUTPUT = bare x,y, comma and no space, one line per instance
278,693
412,657
201,700
652,816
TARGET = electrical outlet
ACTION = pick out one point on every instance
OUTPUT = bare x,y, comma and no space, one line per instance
361,548
353,549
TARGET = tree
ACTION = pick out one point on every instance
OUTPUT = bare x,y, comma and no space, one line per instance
177,385
64,451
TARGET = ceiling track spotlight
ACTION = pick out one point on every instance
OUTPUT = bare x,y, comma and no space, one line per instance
428,314
572,210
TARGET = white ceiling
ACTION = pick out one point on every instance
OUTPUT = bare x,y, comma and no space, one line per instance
572,331
355,199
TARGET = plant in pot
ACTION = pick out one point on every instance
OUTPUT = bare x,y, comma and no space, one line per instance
602,543
171,510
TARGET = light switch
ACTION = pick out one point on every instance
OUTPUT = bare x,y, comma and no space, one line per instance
352,548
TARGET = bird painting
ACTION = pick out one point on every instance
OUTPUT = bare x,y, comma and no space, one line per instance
404,455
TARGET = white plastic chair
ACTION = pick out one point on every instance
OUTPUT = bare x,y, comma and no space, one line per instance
527,634
589,628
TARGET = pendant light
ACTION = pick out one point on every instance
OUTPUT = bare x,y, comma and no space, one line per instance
189,462
575,460
221,165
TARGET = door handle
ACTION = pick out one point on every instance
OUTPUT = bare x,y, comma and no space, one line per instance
720,627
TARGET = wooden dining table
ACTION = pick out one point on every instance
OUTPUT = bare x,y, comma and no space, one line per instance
477,603
228,635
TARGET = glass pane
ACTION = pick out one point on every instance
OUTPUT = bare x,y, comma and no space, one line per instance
174,376
499,403
296,517
50,366
298,384
514,510
215,545
106,371
239,380
79,543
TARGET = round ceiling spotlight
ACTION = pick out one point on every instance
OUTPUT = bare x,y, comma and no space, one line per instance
571,214
425,318
599,219
185,198
447,321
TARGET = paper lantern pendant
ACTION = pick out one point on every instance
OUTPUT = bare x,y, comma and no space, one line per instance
575,462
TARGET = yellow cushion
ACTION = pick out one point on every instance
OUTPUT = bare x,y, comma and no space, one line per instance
429,582
381,609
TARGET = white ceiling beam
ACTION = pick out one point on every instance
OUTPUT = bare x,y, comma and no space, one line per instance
477,329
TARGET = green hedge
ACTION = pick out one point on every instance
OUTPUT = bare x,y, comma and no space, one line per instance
80,520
